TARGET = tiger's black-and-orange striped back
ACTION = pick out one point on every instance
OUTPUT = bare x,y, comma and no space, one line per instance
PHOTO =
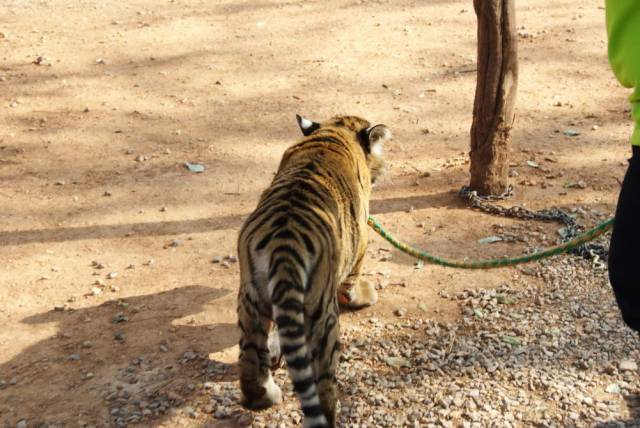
300,250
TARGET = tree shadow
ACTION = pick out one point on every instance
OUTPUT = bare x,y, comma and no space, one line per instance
118,363
161,228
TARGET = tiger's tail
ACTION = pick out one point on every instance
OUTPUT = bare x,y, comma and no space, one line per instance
287,297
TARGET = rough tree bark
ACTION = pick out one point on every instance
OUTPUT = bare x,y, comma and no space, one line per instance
496,86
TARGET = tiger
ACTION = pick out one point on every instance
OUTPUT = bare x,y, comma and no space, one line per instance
301,254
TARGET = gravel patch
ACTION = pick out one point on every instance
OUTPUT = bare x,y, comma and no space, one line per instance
548,350
550,355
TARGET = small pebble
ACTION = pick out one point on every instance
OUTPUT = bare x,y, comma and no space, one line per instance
119,318
628,366
97,265
400,312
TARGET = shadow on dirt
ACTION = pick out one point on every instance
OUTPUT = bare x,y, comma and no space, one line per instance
136,358
161,228
633,404
447,199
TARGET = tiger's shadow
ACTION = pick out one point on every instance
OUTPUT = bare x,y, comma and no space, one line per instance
121,362
633,404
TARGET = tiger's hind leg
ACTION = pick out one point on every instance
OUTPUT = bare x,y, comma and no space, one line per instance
355,293
326,364
256,383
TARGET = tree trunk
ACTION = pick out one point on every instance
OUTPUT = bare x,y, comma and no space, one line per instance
496,85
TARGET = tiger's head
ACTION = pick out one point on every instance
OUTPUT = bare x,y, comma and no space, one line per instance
370,137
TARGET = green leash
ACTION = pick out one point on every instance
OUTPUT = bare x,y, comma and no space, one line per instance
492,263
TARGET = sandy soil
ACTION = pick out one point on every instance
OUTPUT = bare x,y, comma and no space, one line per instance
102,103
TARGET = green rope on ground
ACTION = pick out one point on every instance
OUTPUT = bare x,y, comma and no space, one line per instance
492,263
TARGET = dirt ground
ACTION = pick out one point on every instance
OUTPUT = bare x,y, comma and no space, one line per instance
107,240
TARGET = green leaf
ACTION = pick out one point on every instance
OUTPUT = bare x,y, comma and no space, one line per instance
511,340
504,300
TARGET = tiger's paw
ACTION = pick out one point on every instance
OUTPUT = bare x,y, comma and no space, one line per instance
357,297
271,395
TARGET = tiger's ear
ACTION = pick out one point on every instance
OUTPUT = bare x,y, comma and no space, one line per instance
306,126
377,135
